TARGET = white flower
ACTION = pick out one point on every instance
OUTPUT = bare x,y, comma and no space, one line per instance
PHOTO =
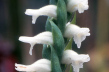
49,10
80,5
41,38
42,65
78,34
76,60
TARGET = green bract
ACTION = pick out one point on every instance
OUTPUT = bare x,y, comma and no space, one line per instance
58,40
61,15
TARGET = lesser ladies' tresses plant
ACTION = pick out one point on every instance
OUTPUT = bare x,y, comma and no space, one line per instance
78,34
41,38
55,58
76,60
42,65
49,10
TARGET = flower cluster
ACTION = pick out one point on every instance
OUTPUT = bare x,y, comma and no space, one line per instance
54,38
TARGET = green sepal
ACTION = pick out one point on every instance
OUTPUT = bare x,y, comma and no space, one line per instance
74,19
55,64
61,15
58,40
69,45
46,52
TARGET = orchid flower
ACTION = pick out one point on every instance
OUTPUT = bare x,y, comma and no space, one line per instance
41,38
80,5
49,10
78,34
42,65
76,60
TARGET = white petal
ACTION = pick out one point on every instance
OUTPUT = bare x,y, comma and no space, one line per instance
75,68
44,40
83,57
34,18
26,39
46,33
67,56
43,65
49,10
20,67
78,61
81,35
77,40
71,30
31,48
31,11
42,61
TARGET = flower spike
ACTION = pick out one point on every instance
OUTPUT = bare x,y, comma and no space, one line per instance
78,34
80,5
42,65
49,10
76,60
41,38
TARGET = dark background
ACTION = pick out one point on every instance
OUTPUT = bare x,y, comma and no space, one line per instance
14,23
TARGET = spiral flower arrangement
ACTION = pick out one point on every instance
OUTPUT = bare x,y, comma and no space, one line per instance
61,30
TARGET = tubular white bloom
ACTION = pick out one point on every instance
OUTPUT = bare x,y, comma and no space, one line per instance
80,5
41,38
76,60
78,34
42,65
49,10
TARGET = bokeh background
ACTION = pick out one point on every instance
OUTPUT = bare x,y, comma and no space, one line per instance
14,23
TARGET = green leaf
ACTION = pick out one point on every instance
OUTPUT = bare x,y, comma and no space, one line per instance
55,65
61,15
58,40
74,19
69,45
46,52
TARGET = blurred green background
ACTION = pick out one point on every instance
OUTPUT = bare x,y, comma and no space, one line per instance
14,23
